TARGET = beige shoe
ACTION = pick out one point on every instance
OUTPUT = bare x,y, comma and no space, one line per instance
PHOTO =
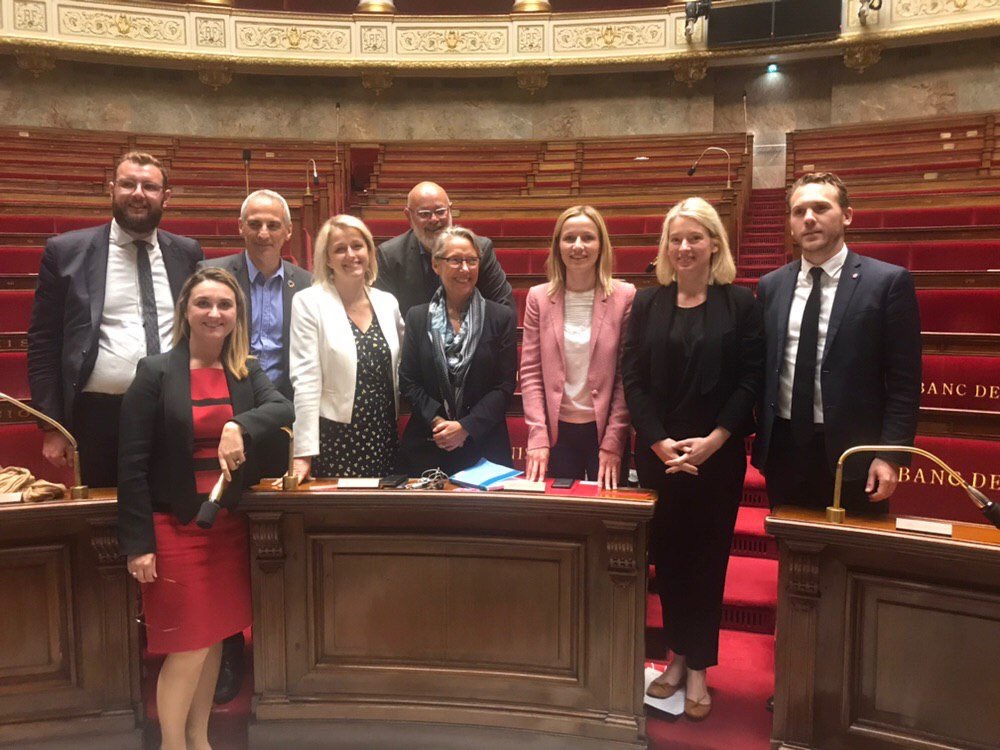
660,688
697,710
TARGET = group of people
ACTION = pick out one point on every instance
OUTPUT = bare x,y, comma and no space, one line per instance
166,396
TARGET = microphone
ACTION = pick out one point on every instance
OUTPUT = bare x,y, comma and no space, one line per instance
246,167
836,514
315,176
79,491
729,164
210,508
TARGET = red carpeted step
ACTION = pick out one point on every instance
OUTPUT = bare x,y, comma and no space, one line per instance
754,489
14,374
740,684
749,537
751,596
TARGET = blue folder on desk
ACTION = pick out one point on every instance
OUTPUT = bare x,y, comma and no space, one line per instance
483,475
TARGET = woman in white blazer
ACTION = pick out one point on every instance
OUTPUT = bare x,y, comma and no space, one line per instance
344,357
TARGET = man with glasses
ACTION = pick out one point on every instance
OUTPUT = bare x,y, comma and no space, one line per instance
105,299
404,262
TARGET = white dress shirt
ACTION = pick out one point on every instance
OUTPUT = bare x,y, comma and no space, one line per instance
122,340
577,406
803,285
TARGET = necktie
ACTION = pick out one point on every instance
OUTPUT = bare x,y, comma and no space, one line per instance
150,323
803,385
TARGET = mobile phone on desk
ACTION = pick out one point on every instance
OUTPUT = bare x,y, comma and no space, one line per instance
562,483
394,480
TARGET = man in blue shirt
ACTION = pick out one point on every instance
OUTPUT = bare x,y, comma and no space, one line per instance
269,284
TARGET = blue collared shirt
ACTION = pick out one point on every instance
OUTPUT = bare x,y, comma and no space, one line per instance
267,319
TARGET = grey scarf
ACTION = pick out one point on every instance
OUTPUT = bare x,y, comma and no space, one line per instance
453,351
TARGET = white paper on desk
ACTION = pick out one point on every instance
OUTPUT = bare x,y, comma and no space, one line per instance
10,497
673,705
523,485
358,483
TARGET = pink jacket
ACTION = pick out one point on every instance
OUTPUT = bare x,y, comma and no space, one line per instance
543,365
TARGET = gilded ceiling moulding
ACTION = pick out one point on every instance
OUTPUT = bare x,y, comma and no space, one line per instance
197,35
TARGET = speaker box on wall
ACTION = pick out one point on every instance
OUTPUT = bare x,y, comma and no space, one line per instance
774,21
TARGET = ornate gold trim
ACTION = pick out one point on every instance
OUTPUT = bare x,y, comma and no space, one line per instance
215,76
532,80
862,56
531,6
690,72
376,6
376,80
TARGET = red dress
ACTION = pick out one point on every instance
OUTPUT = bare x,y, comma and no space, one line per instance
202,590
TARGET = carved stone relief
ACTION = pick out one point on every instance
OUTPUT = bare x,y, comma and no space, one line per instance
458,41
75,21
374,40
532,80
924,8
29,15
612,36
530,39
210,32
862,56
255,36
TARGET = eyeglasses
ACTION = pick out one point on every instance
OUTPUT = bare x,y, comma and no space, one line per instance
426,213
457,262
129,186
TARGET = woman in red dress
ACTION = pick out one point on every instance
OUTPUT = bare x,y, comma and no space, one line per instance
190,413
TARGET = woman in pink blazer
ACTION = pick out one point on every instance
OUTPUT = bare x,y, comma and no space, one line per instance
571,382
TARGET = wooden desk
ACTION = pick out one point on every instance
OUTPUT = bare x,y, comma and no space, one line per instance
459,614
885,639
68,647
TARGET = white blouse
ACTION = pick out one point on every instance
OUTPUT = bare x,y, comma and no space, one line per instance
577,405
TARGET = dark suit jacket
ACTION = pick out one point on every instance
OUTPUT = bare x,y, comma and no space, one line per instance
296,279
489,385
401,273
730,380
870,369
69,303
155,461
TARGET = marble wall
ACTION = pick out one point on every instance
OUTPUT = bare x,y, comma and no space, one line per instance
906,83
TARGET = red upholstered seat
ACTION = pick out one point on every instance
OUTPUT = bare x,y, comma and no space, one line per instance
387,227
525,227
21,445
634,258
945,216
520,297
221,252
483,227
513,260
14,374
953,382
28,224
20,259
200,226
15,309
925,490
959,310
938,255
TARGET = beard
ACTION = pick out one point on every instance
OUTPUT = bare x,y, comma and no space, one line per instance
136,224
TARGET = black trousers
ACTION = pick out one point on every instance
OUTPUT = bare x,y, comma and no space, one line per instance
801,475
575,454
95,427
692,533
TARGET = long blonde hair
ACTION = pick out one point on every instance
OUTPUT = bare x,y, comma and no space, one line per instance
236,347
554,266
722,267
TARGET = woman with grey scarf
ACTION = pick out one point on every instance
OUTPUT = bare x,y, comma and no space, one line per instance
458,367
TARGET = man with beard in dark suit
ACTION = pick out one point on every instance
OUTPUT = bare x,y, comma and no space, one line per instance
404,262
105,299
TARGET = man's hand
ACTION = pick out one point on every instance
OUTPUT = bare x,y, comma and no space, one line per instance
882,480
537,463
56,449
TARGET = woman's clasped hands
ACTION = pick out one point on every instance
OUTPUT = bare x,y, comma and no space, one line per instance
688,454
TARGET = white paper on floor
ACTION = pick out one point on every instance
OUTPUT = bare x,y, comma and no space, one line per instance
672,705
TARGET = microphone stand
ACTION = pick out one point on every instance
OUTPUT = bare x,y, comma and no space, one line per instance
729,164
315,176
836,514
79,491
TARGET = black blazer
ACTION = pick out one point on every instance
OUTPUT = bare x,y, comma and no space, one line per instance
401,273
733,353
69,303
296,279
870,369
155,461
489,385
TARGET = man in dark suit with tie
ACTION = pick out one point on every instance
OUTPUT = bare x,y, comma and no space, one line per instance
404,262
842,364
105,299
269,284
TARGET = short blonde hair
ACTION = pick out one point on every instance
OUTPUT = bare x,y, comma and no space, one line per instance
722,268
554,266
442,241
342,222
236,348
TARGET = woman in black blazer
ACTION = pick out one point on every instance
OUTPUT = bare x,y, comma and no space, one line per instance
190,413
692,368
458,367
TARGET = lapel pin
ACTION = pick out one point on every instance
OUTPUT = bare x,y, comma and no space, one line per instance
291,283
855,275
